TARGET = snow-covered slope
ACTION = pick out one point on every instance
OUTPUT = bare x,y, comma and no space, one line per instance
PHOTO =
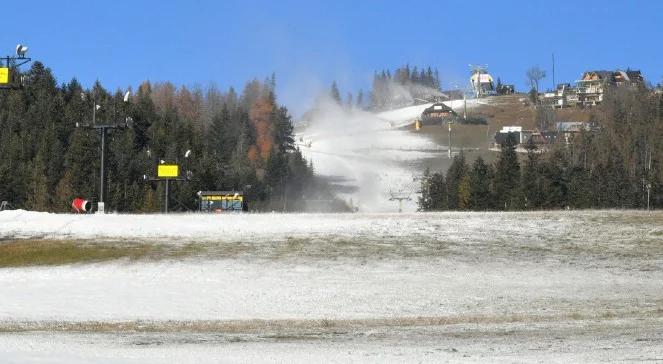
372,152
403,115
176,228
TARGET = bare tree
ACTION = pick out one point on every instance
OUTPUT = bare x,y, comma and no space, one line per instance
534,75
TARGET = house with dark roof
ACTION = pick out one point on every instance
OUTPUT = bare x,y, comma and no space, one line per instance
438,113
591,87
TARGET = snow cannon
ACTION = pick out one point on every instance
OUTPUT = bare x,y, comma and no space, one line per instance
80,206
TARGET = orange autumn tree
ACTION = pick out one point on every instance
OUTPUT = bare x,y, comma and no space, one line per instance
260,118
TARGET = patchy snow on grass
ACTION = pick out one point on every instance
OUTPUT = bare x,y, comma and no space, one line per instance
561,286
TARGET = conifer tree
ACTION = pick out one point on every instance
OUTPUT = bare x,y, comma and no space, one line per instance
531,179
438,192
507,176
480,186
360,100
335,94
457,183
554,174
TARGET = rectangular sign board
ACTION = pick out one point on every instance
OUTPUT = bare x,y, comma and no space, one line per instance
222,203
239,198
168,171
4,75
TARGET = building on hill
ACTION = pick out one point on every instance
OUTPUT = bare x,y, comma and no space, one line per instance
567,130
564,96
438,113
517,132
503,89
591,87
563,133
628,78
481,81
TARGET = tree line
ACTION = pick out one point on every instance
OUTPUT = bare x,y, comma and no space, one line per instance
388,90
620,165
403,87
240,142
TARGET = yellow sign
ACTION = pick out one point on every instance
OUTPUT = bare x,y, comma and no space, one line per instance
168,171
4,75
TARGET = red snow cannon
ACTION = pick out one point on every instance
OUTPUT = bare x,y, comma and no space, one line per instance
81,206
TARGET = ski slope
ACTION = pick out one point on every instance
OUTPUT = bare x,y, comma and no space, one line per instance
372,152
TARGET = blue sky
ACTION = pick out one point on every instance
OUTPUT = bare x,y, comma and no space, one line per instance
308,43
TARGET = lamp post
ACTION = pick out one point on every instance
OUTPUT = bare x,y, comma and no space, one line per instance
13,62
103,128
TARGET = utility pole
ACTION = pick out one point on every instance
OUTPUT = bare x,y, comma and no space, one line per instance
464,106
165,203
449,123
648,185
553,71
102,170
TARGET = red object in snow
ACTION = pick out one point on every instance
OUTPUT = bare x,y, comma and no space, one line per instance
79,205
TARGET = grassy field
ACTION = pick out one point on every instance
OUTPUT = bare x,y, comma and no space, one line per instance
555,286
29,252
633,238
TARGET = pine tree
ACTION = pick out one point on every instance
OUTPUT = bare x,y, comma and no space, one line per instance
531,179
335,94
464,192
360,100
456,176
555,188
283,130
580,189
507,176
414,76
38,192
64,193
480,186
438,192
222,135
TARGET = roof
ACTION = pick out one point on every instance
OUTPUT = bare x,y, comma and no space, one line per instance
610,76
437,107
597,75
219,193
635,75
571,126
511,129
